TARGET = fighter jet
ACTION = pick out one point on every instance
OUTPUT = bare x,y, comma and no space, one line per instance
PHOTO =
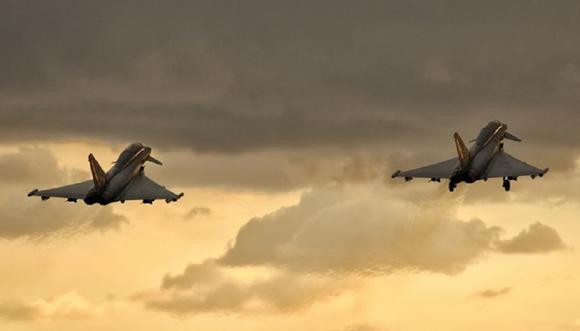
485,159
124,181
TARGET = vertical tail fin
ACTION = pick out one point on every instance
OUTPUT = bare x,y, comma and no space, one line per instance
462,151
99,177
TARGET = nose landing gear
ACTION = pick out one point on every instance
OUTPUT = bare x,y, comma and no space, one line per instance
506,184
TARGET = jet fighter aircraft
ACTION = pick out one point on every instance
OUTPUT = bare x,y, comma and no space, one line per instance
485,159
124,181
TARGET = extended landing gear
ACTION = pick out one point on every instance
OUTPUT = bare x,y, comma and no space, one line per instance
452,186
506,184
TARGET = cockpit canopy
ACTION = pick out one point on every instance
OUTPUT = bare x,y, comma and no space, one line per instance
486,132
128,153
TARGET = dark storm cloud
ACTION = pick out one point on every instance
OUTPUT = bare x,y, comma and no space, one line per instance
239,76
196,126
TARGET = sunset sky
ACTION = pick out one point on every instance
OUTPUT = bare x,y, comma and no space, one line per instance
282,121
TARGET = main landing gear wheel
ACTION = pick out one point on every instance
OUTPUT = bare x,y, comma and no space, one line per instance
506,184
452,186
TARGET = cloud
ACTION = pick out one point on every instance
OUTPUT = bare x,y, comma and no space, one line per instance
37,220
278,294
28,165
374,76
311,251
491,293
208,287
197,211
363,231
31,165
271,171
437,72
194,274
537,238
367,229
206,128
67,306
22,217
223,99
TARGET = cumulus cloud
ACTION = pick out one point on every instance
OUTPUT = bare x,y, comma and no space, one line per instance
67,306
537,238
355,229
332,234
360,230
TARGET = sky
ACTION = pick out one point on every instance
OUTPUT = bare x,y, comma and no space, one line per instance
282,121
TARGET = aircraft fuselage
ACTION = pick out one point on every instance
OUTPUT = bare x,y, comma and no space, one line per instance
129,164
481,153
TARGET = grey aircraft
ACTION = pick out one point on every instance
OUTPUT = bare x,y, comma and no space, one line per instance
124,181
485,159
